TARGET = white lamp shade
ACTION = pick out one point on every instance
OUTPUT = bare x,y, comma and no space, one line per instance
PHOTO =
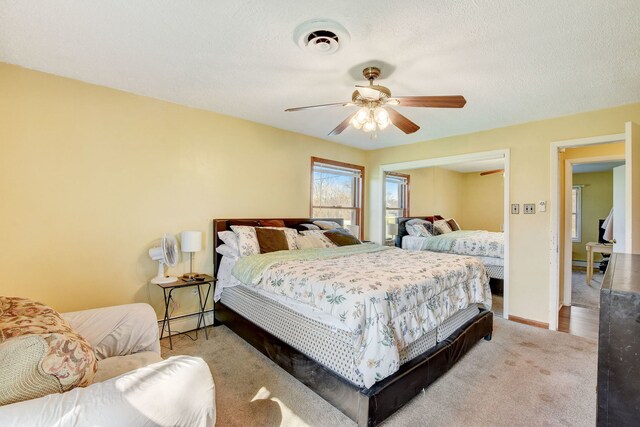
392,229
191,241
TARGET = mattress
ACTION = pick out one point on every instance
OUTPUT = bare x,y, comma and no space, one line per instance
322,342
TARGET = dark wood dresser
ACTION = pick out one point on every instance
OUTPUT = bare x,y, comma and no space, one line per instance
619,343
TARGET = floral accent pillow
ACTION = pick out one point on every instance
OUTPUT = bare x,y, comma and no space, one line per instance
247,239
441,227
319,234
45,354
419,232
422,230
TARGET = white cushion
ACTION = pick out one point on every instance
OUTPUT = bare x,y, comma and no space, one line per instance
247,239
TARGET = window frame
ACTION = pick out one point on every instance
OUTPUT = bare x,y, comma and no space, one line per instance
406,210
578,213
359,199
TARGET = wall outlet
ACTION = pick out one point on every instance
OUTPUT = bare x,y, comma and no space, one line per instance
529,208
515,208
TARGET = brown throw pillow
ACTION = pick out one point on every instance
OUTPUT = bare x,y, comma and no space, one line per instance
453,224
342,237
271,240
272,223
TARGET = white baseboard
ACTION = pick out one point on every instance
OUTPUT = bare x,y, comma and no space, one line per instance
185,324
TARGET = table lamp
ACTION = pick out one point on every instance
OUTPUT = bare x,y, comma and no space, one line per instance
191,241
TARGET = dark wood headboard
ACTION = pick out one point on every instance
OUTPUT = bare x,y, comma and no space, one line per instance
402,229
225,224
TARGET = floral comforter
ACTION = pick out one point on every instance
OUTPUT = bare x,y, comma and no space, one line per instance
387,297
467,242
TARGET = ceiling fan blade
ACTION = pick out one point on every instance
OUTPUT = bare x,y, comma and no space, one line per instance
491,172
401,122
342,126
455,101
335,104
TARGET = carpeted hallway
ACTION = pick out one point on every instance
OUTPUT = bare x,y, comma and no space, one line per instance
524,376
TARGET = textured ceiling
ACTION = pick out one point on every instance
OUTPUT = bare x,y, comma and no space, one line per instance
513,61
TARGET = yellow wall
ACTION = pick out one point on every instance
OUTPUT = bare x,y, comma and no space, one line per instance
529,146
91,177
597,200
475,201
482,202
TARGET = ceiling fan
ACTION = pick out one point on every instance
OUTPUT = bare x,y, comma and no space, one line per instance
375,102
491,172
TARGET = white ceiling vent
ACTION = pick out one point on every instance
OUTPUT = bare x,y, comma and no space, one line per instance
321,36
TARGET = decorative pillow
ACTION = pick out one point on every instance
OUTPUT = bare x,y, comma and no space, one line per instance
422,230
230,239
272,223
290,233
44,353
319,234
441,227
453,224
228,251
247,240
327,225
309,242
342,237
271,240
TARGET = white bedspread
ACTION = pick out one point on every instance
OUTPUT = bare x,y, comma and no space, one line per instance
387,298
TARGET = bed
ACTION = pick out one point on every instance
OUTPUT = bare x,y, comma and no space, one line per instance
387,339
487,246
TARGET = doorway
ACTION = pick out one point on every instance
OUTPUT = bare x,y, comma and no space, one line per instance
560,245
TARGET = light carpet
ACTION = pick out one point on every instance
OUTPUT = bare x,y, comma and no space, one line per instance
525,376
583,295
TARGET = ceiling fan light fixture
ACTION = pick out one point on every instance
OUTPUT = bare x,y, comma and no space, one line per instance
370,125
381,116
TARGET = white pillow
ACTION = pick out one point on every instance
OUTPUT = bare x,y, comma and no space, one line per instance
310,226
309,242
319,234
290,234
228,251
441,227
411,231
421,230
229,238
327,225
247,239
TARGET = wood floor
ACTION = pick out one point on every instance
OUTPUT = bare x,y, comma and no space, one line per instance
579,321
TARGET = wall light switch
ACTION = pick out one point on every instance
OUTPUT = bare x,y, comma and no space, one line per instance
542,206
529,208
515,208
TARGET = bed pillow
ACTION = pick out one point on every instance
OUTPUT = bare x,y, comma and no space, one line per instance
309,242
422,230
319,234
230,239
290,233
271,240
247,240
44,353
441,227
453,224
409,225
228,251
342,237
327,225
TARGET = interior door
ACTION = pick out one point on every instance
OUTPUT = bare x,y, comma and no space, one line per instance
619,208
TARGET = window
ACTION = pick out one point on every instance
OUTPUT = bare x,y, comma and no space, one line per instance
337,191
576,213
397,200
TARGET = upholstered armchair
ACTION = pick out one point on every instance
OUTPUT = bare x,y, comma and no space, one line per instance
132,386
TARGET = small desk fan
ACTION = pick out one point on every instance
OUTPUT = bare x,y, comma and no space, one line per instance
166,253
